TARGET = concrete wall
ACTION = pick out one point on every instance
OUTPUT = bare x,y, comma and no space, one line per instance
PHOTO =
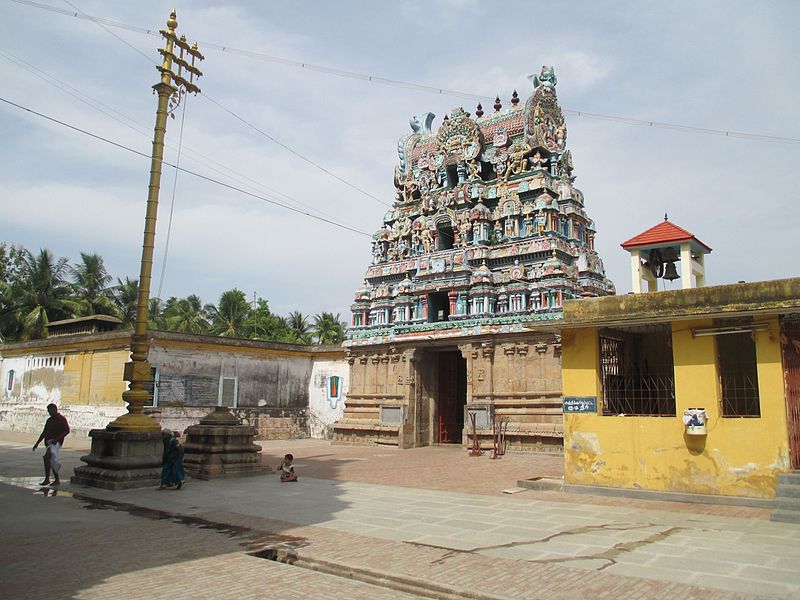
738,457
86,385
191,377
84,377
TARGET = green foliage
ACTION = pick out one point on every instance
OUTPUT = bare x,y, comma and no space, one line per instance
124,296
40,293
38,289
329,329
90,283
186,315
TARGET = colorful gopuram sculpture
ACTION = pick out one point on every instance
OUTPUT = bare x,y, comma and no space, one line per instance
487,227
486,239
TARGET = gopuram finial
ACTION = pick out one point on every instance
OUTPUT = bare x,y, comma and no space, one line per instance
665,217
479,110
515,98
497,105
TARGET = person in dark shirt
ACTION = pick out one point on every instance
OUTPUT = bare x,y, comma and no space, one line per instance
55,430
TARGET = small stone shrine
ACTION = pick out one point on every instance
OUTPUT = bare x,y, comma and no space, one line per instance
220,446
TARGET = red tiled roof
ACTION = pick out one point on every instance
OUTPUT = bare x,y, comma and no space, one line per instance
663,233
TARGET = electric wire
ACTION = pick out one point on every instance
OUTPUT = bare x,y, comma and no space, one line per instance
417,86
185,170
172,202
134,126
297,154
232,113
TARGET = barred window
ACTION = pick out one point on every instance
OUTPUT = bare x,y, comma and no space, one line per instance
738,374
637,371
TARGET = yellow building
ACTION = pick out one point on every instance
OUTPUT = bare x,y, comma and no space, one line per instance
693,391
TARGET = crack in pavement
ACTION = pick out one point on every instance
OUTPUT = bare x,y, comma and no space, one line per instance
610,555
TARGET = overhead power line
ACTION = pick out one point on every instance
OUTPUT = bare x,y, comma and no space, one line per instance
130,123
184,170
102,24
416,86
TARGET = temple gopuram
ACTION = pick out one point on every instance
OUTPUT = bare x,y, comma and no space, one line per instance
455,332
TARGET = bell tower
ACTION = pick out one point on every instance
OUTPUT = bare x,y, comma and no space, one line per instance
654,253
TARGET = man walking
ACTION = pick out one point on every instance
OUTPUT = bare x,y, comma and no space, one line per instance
55,430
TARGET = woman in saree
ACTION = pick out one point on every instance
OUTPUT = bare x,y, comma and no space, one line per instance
172,473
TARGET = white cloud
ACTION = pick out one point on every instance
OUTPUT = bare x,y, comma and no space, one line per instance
714,65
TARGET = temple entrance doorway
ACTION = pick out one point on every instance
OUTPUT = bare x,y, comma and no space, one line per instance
450,397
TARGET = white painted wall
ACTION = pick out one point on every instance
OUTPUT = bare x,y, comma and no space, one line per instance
322,411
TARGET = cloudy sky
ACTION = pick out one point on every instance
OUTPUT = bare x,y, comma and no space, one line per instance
720,65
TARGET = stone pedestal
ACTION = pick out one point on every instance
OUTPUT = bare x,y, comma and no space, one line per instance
121,460
220,446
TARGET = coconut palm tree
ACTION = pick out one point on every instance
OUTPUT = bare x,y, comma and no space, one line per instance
42,293
229,317
328,328
125,296
299,326
156,317
187,316
90,283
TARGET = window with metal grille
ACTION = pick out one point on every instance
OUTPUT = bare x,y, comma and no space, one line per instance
738,374
637,371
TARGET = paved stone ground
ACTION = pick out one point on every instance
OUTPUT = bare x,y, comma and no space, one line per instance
461,542
449,468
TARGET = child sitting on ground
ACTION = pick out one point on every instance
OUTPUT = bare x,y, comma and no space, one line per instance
287,469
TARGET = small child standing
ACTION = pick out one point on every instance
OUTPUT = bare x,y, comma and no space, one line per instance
287,469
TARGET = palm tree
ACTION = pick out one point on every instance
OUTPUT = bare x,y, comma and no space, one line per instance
329,329
299,326
42,293
187,316
229,317
90,280
125,296
156,315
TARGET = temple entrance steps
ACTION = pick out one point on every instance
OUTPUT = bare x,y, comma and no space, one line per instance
787,498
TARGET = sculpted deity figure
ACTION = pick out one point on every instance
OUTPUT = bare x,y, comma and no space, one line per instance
518,160
498,231
463,230
501,165
474,168
402,248
537,160
546,77
427,240
400,191
405,227
410,188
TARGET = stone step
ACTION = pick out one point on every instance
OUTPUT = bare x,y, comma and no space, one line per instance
542,484
792,477
787,490
787,503
785,516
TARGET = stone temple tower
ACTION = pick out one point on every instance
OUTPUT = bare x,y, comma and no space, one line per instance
460,307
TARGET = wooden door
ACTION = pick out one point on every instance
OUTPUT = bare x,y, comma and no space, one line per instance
791,367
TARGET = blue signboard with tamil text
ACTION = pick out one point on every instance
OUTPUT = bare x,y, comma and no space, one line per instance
580,404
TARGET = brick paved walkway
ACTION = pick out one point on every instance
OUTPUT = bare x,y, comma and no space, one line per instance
449,468
344,528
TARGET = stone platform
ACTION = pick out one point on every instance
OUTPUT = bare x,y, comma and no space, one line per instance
220,446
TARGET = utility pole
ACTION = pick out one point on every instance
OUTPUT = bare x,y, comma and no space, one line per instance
127,453
170,91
